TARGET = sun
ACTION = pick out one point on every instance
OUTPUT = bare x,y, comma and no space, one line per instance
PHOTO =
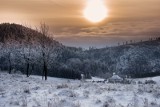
95,11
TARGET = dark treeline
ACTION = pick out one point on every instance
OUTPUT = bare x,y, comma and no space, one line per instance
34,52
131,42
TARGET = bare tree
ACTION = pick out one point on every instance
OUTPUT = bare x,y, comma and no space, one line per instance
46,48
9,50
27,54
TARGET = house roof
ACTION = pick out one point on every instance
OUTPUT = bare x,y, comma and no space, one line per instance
116,77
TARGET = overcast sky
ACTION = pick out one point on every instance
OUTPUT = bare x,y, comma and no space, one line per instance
127,19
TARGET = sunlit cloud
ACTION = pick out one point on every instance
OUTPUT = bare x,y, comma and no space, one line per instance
128,19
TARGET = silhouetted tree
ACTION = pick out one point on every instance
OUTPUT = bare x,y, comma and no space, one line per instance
45,42
27,54
8,49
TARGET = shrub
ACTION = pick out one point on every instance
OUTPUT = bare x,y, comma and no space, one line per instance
86,94
77,104
98,101
24,101
156,94
150,82
62,86
110,102
26,90
68,93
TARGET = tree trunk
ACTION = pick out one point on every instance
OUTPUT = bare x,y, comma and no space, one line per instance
27,72
32,69
10,65
43,74
45,70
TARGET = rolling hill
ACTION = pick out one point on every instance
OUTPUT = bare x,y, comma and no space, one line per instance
140,59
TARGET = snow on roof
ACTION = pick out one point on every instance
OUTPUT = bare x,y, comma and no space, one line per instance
116,77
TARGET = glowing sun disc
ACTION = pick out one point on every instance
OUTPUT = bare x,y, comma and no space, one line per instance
95,11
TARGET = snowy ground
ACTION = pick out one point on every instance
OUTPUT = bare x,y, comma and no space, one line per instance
19,91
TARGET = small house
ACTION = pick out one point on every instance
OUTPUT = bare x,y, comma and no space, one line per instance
115,78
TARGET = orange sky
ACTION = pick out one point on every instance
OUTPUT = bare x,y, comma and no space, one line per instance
128,19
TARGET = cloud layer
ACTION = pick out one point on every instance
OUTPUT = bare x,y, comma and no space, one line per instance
128,19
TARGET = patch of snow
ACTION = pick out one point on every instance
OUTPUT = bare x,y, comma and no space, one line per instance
19,91
95,79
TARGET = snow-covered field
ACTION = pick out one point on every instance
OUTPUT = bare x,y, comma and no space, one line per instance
19,91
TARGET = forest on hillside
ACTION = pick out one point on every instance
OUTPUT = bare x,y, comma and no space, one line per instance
34,52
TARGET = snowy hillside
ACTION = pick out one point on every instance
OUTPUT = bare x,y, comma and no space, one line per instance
19,91
23,49
140,59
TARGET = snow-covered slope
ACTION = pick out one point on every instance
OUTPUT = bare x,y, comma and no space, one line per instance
19,91
141,59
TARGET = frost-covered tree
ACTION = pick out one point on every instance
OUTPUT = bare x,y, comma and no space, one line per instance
9,49
45,48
